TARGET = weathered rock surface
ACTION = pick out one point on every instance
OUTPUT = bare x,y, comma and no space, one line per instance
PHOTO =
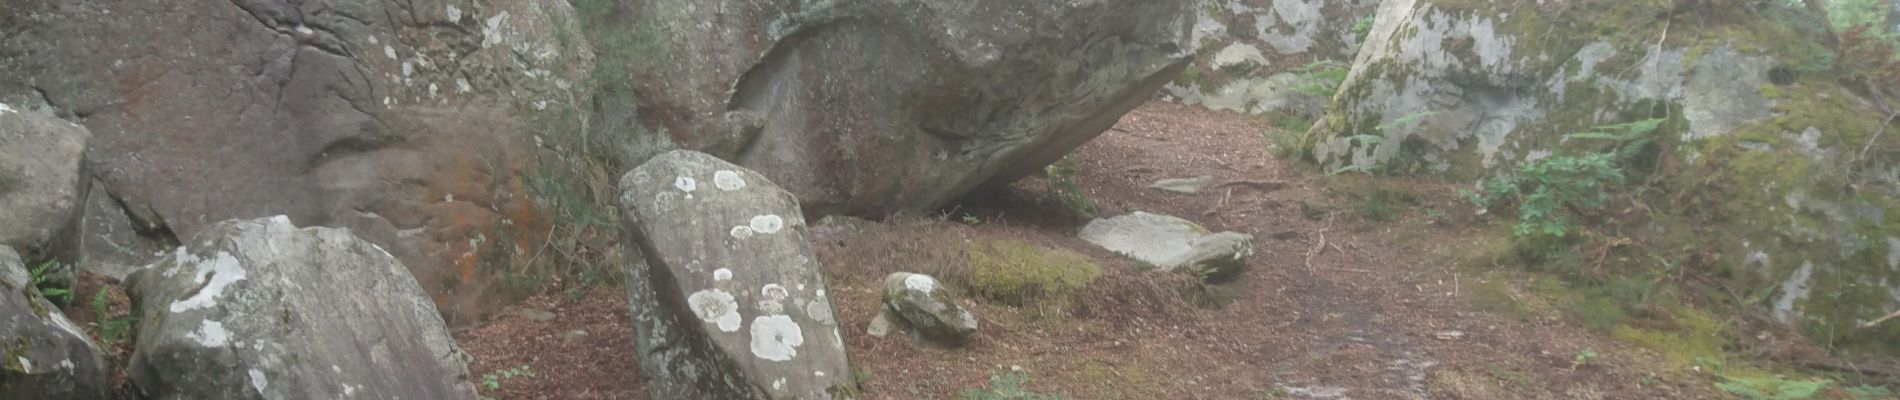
1171,243
408,122
725,292
920,303
42,178
259,309
1252,56
1761,146
884,105
45,355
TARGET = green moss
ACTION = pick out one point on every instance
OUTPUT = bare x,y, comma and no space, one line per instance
1022,274
1695,338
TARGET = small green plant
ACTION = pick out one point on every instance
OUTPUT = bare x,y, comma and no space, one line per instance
1363,25
111,329
1323,78
970,219
1584,357
1551,192
1061,176
49,286
493,380
1437,216
1629,139
1772,388
1007,385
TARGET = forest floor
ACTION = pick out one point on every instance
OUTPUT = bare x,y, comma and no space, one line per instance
1360,288
1351,294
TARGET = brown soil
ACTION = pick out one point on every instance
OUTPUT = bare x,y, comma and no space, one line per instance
1334,305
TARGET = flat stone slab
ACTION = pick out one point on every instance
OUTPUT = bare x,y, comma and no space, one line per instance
1170,243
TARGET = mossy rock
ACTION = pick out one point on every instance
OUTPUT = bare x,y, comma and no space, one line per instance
1022,274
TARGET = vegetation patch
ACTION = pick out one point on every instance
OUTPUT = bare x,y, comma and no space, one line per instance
1022,274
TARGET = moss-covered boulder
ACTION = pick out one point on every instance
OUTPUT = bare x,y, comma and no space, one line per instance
1767,164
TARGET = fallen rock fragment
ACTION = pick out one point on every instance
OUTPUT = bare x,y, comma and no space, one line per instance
45,355
919,302
1170,243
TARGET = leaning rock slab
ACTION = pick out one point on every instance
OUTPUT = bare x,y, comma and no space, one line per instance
922,304
872,106
41,162
259,309
726,297
45,355
1170,243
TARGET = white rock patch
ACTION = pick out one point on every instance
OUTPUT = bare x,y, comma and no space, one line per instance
210,334
4,109
776,338
223,270
257,381
722,274
728,180
921,283
715,306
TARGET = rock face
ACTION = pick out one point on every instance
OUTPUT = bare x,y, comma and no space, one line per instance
42,170
1259,56
45,355
408,122
1171,243
1763,149
259,309
726,296
920,303
868,107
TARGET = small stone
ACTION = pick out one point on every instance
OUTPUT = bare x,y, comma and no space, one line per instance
535,314
927,309
1449,335
1182,185
1171,243
573,334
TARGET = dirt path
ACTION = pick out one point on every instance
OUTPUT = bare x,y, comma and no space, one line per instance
1335,305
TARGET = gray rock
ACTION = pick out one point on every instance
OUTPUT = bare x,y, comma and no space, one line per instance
256,309
112,242
891,105
927,308
409,122
1182,185
725,292
45,355
1251,54
42,171
1171,243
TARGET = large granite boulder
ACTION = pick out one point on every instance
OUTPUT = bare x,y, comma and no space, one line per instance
409,122
45,355
1763,162
1270,56
1170,243
873,106
42,178
259,309
725,292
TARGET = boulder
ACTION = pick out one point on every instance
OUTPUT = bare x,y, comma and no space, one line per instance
1767,156
412,123
1270,56
1170,243
724,289
259,309
42,171
867,107
45,355
919,302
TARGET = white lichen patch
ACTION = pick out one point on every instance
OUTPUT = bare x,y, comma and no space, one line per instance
715,306
774,292
778,384
4,109
258,381
222,270
920,282
722,274
686,184
454,13
776,338
728,180
210,334
819,310
767,224
741,232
